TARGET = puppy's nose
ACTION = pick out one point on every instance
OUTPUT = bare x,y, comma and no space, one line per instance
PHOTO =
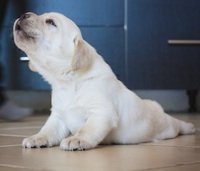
25,16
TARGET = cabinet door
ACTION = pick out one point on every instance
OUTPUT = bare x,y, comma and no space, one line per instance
100,21
82,12
153,62
109,43
16,73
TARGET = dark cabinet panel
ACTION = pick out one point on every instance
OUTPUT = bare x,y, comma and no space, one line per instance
101,22
109,43
110,46
153,63
83,12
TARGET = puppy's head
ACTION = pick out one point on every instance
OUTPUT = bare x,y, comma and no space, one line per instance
51,38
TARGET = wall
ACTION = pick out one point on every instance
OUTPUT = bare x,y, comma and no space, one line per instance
171,100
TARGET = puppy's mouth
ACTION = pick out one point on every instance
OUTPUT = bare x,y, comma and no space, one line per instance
23,31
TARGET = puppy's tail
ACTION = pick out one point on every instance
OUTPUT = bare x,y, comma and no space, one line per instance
186,128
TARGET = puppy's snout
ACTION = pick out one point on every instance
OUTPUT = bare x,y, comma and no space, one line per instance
25,16
23,20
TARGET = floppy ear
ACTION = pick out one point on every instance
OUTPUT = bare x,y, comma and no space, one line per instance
82,59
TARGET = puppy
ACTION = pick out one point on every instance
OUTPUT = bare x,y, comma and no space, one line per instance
89,104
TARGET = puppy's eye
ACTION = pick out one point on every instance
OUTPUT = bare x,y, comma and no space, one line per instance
51,22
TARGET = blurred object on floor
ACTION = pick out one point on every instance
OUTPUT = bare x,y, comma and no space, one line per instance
12,112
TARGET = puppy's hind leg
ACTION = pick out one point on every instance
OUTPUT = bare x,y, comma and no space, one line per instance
182,127
186,128
174,127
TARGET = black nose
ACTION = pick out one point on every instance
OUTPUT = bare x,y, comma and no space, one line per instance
25,16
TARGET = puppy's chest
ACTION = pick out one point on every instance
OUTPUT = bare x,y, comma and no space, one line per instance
72,94
70,105
63,101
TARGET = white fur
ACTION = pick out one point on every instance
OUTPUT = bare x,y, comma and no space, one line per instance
89,105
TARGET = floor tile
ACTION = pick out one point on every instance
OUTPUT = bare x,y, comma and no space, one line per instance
28,122
13,168
190,167
124,157
24,128
179,154
10,141
19,132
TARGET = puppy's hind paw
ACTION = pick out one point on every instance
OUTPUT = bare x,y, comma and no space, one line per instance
187,128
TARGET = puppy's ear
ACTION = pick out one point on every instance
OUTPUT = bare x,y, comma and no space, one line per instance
82,59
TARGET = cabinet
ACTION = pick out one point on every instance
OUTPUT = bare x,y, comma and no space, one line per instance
133,36
155,62
101,23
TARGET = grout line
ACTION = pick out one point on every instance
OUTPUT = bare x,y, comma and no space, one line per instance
12,135
16,167
173,166
23,167
13,166
15,145
165,145
14,128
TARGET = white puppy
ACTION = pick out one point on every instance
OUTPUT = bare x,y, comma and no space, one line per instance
89,105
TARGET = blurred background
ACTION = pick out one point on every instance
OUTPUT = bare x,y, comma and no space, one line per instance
152,46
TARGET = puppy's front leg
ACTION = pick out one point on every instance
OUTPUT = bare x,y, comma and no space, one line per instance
51,134
92,133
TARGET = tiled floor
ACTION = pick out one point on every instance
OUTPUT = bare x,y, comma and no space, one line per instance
180,154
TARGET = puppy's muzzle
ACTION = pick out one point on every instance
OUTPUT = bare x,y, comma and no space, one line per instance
25,26
20,21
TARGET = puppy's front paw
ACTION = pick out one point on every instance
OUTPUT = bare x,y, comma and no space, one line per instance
75,143
35,141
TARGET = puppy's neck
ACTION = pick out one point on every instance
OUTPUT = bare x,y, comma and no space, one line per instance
58,74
